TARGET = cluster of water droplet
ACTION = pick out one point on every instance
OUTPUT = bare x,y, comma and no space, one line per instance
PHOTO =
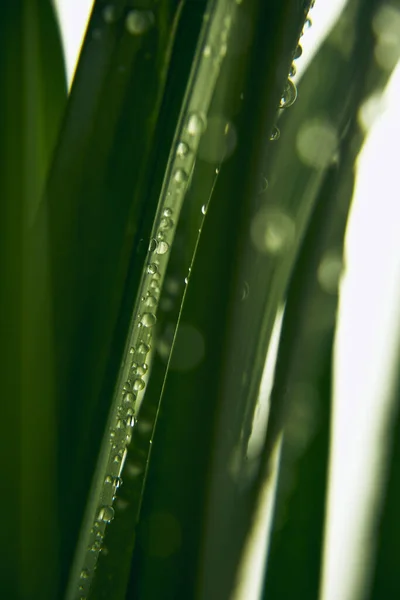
289,95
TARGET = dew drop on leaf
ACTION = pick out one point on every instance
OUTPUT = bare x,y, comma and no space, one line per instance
148,320
166,223
106,514
152,268
143,348
182,149
151,301
180,176
162,247
275,134
138,384
130,421
196,124
298,52
289,95
152,245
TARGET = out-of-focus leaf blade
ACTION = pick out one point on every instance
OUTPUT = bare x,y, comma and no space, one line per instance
32,100
296,542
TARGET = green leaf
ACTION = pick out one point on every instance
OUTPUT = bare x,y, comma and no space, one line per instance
32,100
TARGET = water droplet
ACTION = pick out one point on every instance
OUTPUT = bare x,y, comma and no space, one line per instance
196,124
84,574
307,24
129,398
138,384
298,52
142,369
182,150
127,386
109,15
162,247
143,348
132,350
120,424
130,421
156,276
130,412
186,280
139,21
152,245
112,434
106,514
167,212
180,176
289,95
166,223
154,286
95,547
204,209
151,301
207,51
161,235
149,319
292,71
152,268
275,134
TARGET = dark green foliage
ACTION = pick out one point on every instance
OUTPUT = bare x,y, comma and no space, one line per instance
76,219
32,100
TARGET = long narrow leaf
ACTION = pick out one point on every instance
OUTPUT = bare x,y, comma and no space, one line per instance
32,100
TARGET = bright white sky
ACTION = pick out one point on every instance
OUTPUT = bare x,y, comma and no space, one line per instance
369,321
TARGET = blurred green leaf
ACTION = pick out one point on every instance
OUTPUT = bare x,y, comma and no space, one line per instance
32,100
